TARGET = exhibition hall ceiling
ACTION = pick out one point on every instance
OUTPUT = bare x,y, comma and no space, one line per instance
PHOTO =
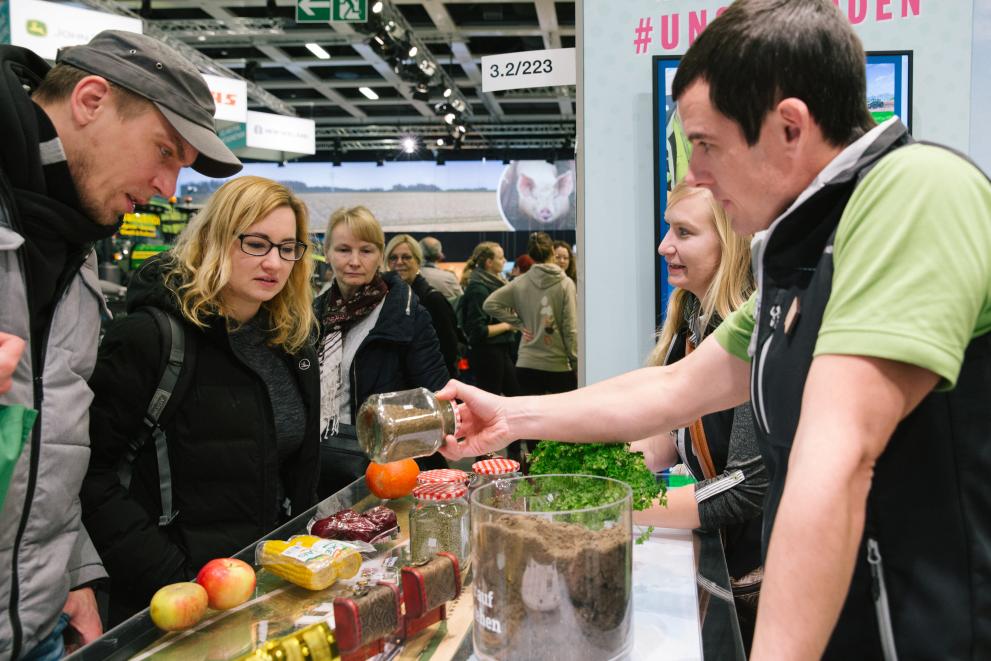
260,40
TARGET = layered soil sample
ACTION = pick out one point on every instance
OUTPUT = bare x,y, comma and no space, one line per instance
549,590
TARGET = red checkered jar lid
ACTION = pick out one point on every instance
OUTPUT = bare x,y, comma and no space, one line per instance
497,466
442,476
440,491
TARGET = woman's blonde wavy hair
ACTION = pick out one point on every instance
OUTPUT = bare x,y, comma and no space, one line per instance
483,252
731,285
201,260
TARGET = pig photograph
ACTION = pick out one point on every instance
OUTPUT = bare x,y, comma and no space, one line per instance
537,195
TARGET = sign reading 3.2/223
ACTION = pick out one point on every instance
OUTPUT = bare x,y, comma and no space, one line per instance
535,68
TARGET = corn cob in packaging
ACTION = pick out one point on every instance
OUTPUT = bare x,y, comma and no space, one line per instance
309,561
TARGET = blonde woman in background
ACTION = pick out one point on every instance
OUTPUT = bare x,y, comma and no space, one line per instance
375,337
404,256
710,266
243,425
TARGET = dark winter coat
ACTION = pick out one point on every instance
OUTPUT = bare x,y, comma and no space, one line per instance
445,324
222,447
400,352
476,321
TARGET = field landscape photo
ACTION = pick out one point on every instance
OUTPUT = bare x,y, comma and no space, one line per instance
406,196
881,90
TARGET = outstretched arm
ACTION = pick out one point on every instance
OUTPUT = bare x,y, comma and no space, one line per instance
625,408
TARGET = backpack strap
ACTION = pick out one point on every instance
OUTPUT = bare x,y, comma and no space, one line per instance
173,339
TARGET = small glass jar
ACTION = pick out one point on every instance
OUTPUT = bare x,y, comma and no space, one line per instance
439,522
442,476
405,424
490,470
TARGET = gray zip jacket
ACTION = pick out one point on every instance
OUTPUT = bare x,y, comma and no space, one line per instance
541,301
44,550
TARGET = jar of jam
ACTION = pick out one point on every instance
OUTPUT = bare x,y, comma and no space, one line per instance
439,522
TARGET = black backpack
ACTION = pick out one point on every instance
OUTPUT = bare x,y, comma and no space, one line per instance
179,356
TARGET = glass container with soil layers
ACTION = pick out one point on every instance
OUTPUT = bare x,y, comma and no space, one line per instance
552,556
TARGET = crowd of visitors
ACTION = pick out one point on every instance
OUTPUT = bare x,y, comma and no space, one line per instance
224,402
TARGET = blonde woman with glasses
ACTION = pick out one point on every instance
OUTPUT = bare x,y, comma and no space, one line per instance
242,426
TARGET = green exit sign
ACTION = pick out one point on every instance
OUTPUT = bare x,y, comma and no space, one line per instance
327,11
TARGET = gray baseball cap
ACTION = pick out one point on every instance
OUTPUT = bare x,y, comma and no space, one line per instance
153,70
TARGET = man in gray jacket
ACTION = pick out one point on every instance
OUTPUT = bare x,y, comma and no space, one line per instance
106,129
444,281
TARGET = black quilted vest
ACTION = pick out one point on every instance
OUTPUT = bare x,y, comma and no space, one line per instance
929,509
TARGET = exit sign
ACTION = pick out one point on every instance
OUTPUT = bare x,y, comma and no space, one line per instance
329,11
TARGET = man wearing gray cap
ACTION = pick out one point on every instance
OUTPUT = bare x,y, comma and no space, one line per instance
107,128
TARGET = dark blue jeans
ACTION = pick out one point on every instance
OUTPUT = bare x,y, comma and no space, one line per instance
51,648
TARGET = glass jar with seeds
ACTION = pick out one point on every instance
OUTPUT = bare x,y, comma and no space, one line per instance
439,522
401,425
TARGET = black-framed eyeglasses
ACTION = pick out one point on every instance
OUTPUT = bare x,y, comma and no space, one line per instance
259,246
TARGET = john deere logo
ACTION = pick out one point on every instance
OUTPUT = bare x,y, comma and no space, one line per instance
37,28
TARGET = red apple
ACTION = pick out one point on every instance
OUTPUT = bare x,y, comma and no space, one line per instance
178,606
228,582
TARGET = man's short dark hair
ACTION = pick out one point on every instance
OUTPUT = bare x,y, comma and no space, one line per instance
540,247
63,78
759,52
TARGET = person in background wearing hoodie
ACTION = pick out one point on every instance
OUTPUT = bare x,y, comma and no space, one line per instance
110,125
403,256
375,337
243,438
541,303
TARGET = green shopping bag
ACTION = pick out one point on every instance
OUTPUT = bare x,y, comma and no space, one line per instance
15,426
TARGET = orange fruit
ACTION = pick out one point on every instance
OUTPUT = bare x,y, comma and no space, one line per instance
392,480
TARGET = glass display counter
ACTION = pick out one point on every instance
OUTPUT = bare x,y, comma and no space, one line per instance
682,604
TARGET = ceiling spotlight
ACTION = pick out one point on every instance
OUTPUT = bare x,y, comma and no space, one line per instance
428,67
421,92
449,118
458,105
413,51
377,8
317,50
408,144
369,93
447,92
440,142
